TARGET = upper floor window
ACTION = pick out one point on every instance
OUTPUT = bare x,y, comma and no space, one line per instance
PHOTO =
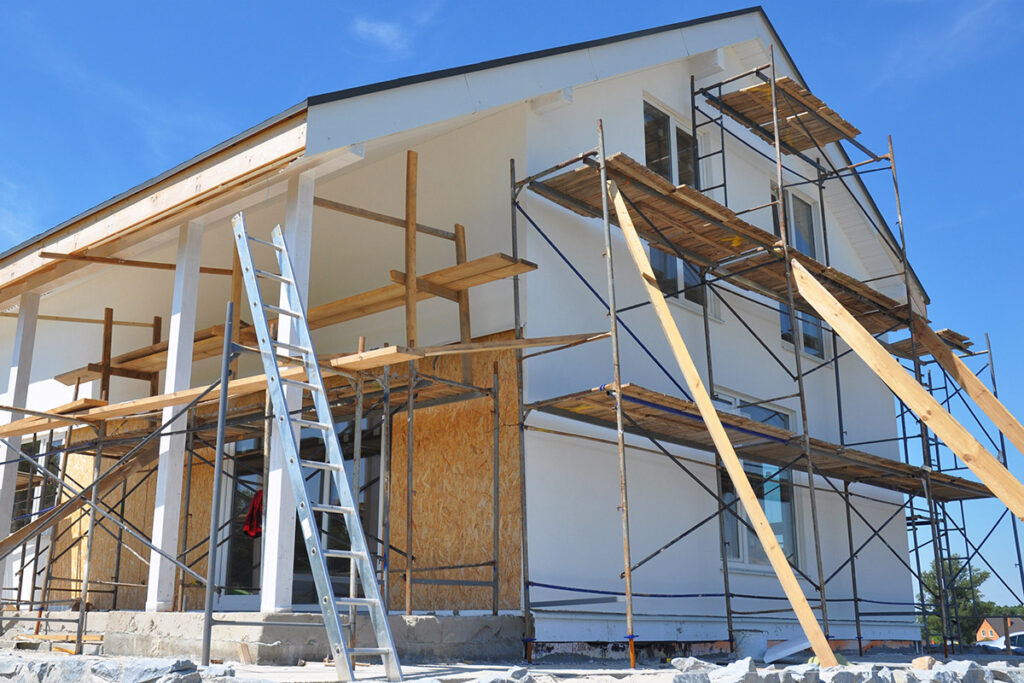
774,490
669,150
667,269
802,236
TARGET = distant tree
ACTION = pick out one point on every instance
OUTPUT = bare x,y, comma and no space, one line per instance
964,598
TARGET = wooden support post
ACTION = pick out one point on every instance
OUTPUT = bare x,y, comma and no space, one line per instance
975,388
465,333
154,381
108,335
959,440
411,166
732,463
411,163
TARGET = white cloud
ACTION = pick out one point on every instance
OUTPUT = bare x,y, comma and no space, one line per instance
395,36
386,34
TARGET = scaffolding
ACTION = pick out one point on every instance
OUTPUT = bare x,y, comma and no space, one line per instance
370,390
740,261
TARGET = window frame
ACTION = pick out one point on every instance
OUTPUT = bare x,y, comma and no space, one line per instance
741,560
802,319
676,125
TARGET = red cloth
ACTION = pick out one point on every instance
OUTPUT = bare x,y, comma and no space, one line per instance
254,518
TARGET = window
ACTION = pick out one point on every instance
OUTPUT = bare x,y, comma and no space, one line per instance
800,230
669,150
774,490
666,270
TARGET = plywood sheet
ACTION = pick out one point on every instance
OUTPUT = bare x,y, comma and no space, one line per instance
452,490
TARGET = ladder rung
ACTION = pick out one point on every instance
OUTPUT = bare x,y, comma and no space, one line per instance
299,383
290,347
272,276
344,554
358,602
368,651
317,465
332,509
265,243
282,311
312,424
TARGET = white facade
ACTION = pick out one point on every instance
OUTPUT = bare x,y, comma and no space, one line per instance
539,112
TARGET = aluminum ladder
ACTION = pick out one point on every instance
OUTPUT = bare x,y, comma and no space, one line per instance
284,422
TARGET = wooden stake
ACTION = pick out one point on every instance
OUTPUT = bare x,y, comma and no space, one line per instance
732,463
975,388
154,380
465,335
411,162
966,447
108,331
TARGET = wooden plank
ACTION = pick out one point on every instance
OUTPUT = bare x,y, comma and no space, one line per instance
375,358
76,406
378,217
238,387
208,342
506,344
975,388
152,265
398,277
104,369
959,440
723,445
411,162
74,319
465,333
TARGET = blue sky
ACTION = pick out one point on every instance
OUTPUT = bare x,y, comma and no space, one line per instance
99,98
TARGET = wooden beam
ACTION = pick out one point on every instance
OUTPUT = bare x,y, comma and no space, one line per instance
411,163
916,397
114,371
379,217
398,277
154,377
507,344
104,369
465,333
140,406
721,440
376,358
975,388
73,319
152,265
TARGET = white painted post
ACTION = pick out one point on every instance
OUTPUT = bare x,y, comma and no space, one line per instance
279,507
17,395
181,336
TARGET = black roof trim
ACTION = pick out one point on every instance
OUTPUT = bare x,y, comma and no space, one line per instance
357,91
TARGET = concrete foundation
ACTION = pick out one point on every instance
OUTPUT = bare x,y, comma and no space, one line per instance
268,640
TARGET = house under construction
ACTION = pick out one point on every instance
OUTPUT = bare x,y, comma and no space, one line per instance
588,349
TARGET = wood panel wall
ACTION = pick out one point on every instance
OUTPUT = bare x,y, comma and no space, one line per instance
452,489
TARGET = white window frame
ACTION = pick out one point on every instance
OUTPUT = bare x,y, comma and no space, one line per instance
819,248
731,402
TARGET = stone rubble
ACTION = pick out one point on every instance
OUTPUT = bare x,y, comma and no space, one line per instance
92,669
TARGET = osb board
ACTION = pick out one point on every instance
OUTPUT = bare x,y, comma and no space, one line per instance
138,511
452,490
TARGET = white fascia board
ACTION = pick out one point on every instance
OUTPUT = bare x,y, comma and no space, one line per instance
366,117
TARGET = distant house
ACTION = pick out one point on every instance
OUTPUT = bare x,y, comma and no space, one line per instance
994,627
